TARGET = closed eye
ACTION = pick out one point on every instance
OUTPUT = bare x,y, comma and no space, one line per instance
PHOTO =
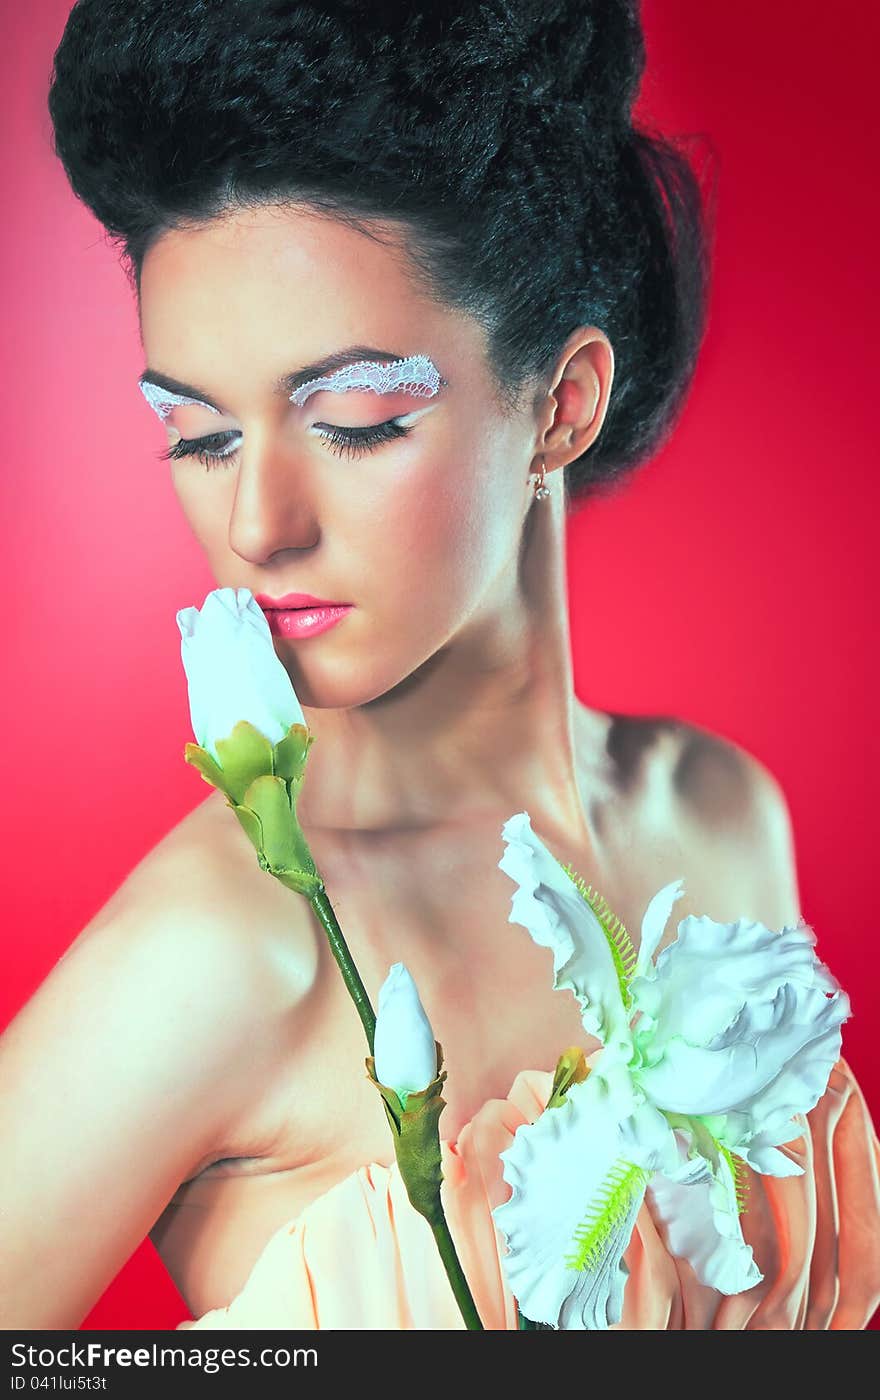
351,442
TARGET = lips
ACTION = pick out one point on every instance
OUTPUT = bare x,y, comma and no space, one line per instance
295,600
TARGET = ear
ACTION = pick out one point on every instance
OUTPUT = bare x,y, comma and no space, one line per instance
578,395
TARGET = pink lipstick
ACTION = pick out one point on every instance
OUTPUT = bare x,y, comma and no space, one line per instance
299,615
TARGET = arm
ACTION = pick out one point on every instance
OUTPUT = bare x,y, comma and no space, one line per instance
123,1074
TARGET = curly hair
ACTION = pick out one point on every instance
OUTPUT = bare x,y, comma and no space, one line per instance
496,135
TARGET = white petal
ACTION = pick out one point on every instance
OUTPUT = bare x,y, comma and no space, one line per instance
769,1160
752,1135
738,969
558,1168
699,1221
655,919
404,1051
596,1301
550,906
769,1074
233,671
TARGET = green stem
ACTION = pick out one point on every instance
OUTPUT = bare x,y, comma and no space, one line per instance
358,993
350,975
455,1273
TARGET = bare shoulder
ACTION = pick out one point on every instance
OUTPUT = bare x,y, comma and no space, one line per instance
198,912
134,1064
726,785
725,808
736,806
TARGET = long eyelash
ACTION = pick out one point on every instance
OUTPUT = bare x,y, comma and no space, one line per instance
196,447
352,442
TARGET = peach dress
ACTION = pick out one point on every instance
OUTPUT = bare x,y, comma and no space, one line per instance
361,1257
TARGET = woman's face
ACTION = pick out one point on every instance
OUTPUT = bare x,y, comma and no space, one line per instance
419,532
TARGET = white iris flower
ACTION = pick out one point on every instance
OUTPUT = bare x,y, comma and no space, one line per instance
708,1055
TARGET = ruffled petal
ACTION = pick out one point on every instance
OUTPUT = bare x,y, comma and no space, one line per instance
769,1072
654,921
699,1219
738,968
549,904
575,1196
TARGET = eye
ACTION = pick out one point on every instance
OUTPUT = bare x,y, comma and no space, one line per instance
352,442
202,448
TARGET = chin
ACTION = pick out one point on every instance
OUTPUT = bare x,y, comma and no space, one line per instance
335,685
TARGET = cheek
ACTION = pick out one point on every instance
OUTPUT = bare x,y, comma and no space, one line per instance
446,529
204,503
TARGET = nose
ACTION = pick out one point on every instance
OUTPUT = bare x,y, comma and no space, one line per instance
274,505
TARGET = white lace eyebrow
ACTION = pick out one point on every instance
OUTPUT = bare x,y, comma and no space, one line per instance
416,374
163,401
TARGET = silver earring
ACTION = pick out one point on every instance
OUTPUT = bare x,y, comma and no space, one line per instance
541,491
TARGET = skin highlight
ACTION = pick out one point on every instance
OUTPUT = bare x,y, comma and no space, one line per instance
445,695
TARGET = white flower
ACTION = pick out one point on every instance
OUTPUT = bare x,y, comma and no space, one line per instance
708,1056
404,1052
233,671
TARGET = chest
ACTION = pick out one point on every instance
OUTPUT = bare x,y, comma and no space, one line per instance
441,907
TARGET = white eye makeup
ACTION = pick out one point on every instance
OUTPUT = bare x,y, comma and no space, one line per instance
414,375
163,402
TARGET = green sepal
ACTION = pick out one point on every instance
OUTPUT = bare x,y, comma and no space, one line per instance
244,755
416,1133
283,843
302,878
207,765
300,881
252,826
291,752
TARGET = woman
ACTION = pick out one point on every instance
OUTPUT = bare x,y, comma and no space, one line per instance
299,190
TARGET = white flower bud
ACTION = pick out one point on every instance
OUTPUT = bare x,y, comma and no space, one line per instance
404,1050
233,671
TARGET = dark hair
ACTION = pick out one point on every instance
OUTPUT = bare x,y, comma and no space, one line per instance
496,136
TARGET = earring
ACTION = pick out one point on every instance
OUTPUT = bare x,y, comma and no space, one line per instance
541,491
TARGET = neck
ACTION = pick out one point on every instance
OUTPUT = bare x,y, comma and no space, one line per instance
485,728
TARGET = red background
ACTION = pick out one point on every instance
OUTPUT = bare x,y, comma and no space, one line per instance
729,585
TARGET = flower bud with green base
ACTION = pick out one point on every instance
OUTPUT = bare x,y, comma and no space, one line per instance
407,1054
261,782
406,1069
414,1121
252,745
253,742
